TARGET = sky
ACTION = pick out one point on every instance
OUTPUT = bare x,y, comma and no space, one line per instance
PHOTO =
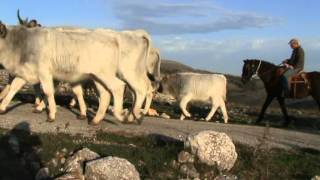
215,35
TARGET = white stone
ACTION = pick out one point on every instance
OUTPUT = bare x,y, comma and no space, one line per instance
111,168
213,148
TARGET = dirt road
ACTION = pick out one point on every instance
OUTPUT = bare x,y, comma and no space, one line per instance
66,122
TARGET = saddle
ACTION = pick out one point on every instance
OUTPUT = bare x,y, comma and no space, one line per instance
300,85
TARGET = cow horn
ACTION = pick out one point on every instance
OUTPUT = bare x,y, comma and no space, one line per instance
21,21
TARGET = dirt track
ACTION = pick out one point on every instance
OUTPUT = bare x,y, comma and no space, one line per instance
66,122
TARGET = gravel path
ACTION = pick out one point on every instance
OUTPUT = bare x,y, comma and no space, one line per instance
66,123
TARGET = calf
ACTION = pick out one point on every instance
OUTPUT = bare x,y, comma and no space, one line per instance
199,87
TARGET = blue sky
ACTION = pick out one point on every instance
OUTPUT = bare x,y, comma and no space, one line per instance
210,34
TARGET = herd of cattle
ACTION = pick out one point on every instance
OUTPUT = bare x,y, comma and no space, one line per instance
111,59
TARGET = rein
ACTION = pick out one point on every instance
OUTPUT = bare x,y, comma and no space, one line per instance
256,74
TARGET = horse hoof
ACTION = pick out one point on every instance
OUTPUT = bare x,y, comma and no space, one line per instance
50,120
82,117
3,112
37,111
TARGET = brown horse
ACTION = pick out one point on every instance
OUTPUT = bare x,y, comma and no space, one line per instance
270,74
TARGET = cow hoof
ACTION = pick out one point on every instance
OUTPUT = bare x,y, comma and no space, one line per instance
94,123
3,111
37,111
130,118
50,120
82,117
140,120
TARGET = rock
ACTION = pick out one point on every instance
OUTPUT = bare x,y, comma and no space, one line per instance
316,178
110,168
64,150
165,116
42,174
226,177
54,162
74,165
185,157
189,170
152,112
62,160
71,176
213,149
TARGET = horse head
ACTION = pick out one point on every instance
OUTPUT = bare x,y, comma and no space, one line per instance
250,69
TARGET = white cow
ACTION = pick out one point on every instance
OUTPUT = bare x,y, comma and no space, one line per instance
199,87
154,61
68,62
42,54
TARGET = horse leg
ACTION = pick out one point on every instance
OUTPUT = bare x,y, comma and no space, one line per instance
264,108
284,111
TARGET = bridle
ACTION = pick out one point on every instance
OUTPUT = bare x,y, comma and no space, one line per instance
255,75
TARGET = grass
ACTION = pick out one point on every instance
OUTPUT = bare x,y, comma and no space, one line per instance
153,156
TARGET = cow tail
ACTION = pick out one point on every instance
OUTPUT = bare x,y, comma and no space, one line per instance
148,46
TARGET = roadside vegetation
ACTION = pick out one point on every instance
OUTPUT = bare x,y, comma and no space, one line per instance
154,156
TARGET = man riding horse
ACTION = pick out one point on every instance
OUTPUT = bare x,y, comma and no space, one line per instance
274,80
293,66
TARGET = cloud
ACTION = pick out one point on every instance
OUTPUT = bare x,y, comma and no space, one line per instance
226,55
182,18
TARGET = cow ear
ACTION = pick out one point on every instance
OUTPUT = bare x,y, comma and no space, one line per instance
3,30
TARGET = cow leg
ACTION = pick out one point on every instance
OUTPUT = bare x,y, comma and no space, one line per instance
224,110
148,102
4,92
38,96
104,101
73,103
116,87
282,104
140,96
264,108
213,110
140,88
15,86
183,105
41,106
48,89
77,90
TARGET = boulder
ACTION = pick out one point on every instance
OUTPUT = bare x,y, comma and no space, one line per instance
43,174
185,157
110,168
316,178
189,170
165,116
74,165
213,149
226,177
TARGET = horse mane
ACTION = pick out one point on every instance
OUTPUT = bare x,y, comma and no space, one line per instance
262,61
